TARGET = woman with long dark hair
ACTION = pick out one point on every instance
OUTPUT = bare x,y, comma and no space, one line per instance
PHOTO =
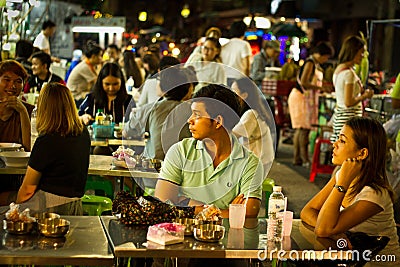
358,197
108,93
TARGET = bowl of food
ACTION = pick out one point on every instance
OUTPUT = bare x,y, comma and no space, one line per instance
53,227
18,227
15,158
189,224
209,232
9,146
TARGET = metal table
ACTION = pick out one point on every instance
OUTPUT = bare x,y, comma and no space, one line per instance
247,243
85,244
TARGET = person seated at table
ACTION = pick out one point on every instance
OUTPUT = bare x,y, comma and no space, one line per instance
212,167
15,126
84,75
358,197
58,166
158,119
253,130
108,93
41,62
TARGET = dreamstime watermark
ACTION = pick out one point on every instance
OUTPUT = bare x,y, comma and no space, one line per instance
327,254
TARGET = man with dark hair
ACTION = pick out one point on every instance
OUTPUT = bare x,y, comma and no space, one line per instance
212,167
267,57
149,89
42,40
41,73
177,86
23,51
236,53
113,53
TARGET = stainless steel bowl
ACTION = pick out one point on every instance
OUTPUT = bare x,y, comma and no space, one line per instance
209,232
53,227
189,224
45,215
156,164
18,228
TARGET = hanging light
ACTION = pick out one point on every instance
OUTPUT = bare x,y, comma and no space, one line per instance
185,11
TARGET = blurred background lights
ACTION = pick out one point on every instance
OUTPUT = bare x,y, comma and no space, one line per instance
175,52
142,16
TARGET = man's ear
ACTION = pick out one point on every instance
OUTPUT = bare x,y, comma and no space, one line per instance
219,120
363,154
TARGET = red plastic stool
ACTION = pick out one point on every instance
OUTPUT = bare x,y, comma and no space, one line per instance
316,166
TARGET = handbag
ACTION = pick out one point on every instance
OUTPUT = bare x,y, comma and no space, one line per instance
146,210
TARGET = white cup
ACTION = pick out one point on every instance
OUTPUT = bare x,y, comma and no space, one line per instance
287,222
235,238
237,215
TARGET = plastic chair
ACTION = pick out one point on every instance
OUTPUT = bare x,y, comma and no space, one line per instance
95,205
267,187
101,186
316,166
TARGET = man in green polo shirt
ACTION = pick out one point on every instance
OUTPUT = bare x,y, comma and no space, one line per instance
212,167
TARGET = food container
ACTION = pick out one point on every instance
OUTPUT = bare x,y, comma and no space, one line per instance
189,224
15,158
18,228
166,233
209,232
103,131
53,227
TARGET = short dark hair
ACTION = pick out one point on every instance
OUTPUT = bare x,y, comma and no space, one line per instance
14,67
168,61
175,82
48,24
114,46
237,29
43,57
220,100
24,48
323,48
91,49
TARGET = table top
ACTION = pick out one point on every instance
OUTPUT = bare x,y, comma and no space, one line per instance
84,244
98,165
117,142
247,243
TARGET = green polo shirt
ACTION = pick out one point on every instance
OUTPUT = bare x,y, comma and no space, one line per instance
189,165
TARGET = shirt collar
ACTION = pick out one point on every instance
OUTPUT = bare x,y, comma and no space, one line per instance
237,151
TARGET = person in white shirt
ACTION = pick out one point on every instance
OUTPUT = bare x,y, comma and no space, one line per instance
42,40
236,53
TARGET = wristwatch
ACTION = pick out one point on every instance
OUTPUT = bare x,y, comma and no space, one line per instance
340,188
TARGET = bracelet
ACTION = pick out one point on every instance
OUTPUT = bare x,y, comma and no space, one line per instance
340,188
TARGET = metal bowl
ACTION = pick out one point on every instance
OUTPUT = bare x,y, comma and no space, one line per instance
53,227
45,215
18,228
189,224
209,232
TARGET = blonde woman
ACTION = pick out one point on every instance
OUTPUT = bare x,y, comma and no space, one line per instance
57,170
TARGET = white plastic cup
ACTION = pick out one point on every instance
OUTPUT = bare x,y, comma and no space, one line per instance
287,222
235,238
237,215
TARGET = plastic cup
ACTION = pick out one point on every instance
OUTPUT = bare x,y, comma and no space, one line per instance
235,238
237,215
287,222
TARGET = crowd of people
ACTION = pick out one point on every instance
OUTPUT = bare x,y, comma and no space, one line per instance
207,120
